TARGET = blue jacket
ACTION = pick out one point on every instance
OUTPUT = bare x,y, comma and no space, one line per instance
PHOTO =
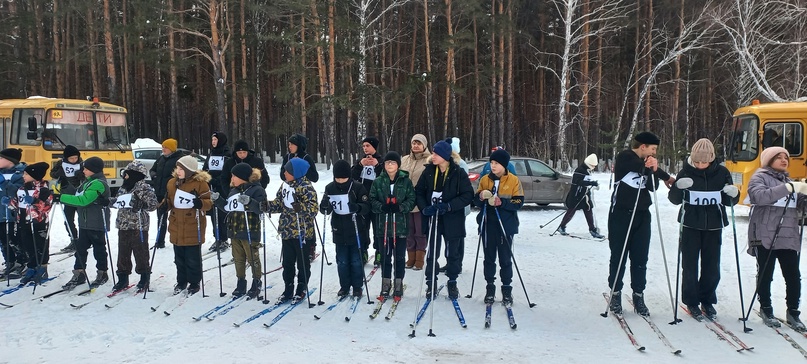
12,181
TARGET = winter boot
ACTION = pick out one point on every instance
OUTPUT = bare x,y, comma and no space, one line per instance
12,269
420,258
193,288
766,312
429,293
179,287
255,288
638,304
343,292
79,277
792,318
595,233
490,293
240,288
386,286
220,245
123,282
507,295
453,291
377,260
562,230
287,294
101,278
41,274
616,303
300,294
397,293
695,311
143,283
410,259
357,292
18,272
709,311
70,247
28,276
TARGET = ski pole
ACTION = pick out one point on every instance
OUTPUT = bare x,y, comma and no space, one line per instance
739,276
108,246
66,226
218,251
663,251
509,243
322,241
384,247
478,246
153,255
574,209
263,231
553,219
250,257
414,321
199,240
302,259
358,250
322,261
10,262
434,252
676,320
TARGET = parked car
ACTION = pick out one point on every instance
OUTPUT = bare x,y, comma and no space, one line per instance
147,151
542,184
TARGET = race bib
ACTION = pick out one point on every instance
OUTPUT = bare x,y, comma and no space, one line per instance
437,197
339,204
70,169
216,163
21,198
368,173
183,200
634,180
233,204
787,201
124,201
703,198
288,195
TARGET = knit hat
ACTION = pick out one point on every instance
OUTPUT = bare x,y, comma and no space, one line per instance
591,161
242,170
37,170
455,144
297,167
647,137
341,169
443,149
12,154
393,156
300,141
241,146
501,156
372,140
702,151
188,163
221,137
170,144
421,138
769,153
70,151
93,164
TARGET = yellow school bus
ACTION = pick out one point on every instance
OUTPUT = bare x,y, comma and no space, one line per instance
41,127
759,126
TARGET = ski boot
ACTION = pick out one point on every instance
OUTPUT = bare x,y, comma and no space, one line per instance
397,293
562,230
101,278
696,312
70,247
766,312
240,288
490,293
342,292
143,283
123,282
638,304
386,286
792,318
28,276
287,294
220,245
595,233
193,288
453,291
507,295
709,311
357,292
79,277
179,287
41,274
255,289
430,294
616,303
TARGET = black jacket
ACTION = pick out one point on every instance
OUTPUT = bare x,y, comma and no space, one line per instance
457,192
302,144
342,225
630,172
252,160
68,185
709,216
357,169
579,196
222,150
162,171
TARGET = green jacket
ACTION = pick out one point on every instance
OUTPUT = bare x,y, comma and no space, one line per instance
405,195
91,199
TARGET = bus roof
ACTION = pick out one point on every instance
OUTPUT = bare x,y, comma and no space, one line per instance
39,102
775,110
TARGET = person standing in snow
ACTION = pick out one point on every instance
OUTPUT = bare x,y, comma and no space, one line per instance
579,197
297,145
33,203
242,154
774,233
11,180
636,173
69,174
414,163
703,189
160,173
214,165
365,171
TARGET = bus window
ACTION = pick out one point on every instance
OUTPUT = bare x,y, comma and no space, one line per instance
788,135
19,128
112,133
745,141
70,127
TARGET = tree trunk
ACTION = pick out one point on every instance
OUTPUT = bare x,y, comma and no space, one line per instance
219,71
58,60
583,147
112,75
429,87
93,62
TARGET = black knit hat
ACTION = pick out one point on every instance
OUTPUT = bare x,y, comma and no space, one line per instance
70,151
37,170
647,137
341,169
501,156
241,146
393,156
94,164
372,140
242,170
12,154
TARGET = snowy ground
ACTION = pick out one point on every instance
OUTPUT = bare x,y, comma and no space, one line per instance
564,276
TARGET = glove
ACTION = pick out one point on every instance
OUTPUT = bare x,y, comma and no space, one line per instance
669,182
297,206
102,201
5,200
442,208
326,209
393,208
485,194
352,207
244,199
44,193
798,187
385,209
684,183
28,199
731,191
113,201
430,210
197,203
494,201
214,196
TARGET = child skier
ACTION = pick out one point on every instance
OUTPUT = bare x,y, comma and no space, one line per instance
579,197
392,197
10,181
347,202
69,174
134,201
296,201
34,204
499,197
188,198
243,207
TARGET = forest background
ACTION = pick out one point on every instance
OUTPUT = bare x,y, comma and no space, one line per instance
553,79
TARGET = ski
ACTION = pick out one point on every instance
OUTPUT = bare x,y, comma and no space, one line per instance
230,262
214,309
113,294
18,287
787,337
488,314
169,299
731,334
293,304
331,307
66,257
459,312
625,327
229,308
425,306
394,306
661,336
259,314
370,275
182,299
803,333
377,309
709,325
114,301
352,309
510,318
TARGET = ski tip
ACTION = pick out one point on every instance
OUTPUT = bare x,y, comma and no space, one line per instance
464,326
532,305
513,326
153,309
236,325
167,313
677,352
266,326
316,317
347,319
641,348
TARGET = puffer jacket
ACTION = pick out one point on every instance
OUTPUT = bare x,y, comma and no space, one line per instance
302,143
237,228
404,193
457,192
38,210
765,188
143,200
12,181
91,199
342,225
415,163
712,179
185,225
306,195
512,195
68,185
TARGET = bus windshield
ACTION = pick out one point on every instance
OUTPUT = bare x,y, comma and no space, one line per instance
745,140
86,130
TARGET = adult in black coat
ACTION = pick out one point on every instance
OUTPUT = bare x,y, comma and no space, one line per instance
297,148
579,197
242,154
161,172
220,154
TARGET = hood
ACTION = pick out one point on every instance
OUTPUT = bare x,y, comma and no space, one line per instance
300,141
137,166
222,140
200,176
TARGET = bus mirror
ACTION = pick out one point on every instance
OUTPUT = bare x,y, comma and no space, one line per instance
32,125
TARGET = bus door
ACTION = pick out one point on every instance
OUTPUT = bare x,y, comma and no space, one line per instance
788,135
